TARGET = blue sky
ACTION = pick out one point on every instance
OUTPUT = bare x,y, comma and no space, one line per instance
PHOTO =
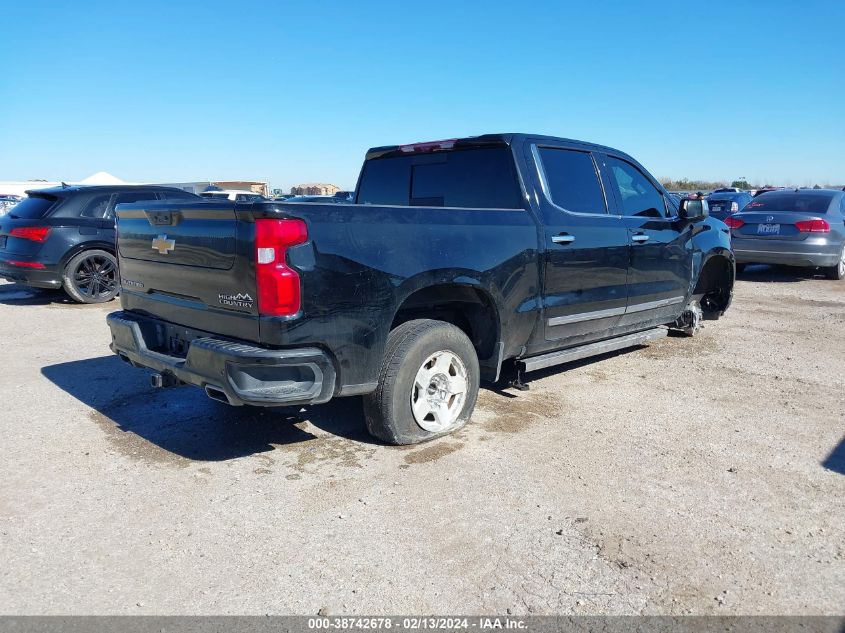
292,92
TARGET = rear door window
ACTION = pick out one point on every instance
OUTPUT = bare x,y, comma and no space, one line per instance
637,195
472,178
90,205
96,206
573,180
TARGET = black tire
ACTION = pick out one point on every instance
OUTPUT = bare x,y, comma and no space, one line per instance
91,277
387,410
836,272
740,268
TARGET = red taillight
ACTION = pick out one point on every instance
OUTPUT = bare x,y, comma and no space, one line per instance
34,233
276,282
25,264
734,223
813,226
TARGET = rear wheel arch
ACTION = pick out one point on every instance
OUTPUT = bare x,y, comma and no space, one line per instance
87,246
470,308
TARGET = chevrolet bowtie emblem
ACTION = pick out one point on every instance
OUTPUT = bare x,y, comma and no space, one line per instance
163,245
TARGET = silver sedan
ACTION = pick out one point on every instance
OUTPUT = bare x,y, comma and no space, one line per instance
793,227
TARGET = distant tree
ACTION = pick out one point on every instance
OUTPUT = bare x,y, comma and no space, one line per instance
741,184
816,187
685,184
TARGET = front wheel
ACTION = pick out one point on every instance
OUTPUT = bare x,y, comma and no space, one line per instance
91,277
428,383
838,271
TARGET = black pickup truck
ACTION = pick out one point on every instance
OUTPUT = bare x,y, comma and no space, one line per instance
459,261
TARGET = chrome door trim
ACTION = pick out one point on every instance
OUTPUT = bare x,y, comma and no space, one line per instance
653,305
586,316
610,312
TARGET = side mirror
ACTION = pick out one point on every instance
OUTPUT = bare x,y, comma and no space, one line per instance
694,210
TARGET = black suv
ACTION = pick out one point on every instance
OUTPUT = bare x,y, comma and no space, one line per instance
63,237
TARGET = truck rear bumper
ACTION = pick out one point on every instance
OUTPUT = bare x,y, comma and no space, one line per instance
235,372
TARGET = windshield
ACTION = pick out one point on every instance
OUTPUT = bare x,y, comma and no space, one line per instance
794,202
33,207
215,195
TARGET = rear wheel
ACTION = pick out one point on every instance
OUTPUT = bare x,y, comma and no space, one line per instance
838,271
428,384
91,277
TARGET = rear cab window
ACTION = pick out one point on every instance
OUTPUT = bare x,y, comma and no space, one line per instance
475,178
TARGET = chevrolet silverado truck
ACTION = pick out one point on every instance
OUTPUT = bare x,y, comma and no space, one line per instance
459,261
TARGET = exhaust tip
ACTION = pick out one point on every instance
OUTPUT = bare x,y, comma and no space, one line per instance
216,394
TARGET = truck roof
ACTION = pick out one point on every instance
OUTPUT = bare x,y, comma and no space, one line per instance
484,140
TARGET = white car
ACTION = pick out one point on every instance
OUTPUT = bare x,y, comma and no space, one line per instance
7,202
235,195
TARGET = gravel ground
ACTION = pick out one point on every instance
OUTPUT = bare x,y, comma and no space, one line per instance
700,475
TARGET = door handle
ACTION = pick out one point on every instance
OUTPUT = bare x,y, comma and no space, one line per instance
563,238
639,238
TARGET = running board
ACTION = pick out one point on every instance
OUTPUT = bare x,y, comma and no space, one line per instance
593,349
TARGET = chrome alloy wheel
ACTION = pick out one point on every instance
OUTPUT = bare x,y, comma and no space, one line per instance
439,392
841,264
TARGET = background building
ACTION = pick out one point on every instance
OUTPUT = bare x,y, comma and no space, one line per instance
314,189
254,186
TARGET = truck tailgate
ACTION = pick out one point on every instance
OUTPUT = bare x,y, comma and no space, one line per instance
189,264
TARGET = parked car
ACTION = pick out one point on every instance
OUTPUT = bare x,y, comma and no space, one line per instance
722,204
63,237
803,227
235,195
727,190
7,202
460,261
761,191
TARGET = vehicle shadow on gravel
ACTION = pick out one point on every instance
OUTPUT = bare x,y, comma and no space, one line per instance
836,460
780,274
184,422
18,294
